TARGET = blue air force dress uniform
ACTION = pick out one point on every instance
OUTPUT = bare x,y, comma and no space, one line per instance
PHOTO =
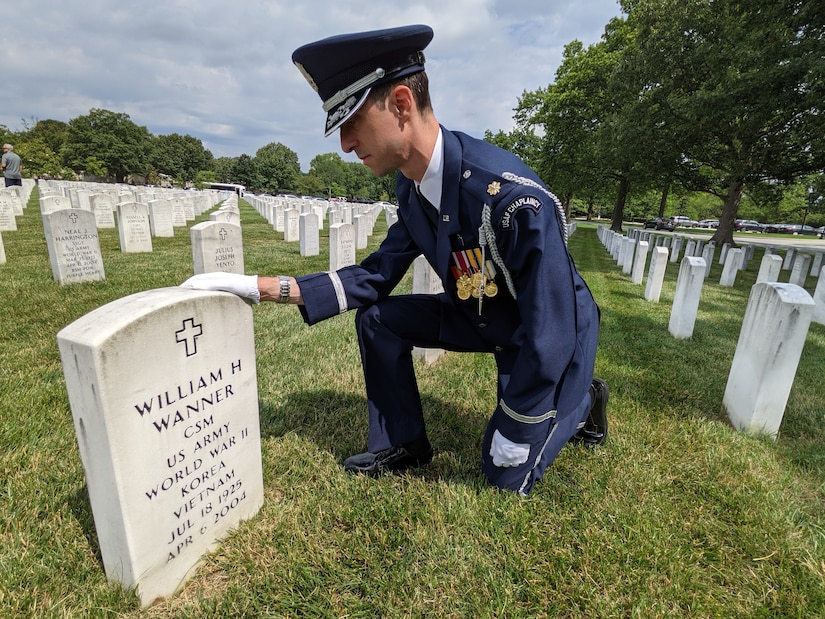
498,243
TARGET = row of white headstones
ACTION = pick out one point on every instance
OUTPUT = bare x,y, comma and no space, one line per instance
775,325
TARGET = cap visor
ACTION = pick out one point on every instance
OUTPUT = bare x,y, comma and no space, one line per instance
341,113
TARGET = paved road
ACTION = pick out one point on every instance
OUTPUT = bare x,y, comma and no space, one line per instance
802,242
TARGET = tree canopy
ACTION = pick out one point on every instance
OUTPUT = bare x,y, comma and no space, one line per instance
696,107
717,96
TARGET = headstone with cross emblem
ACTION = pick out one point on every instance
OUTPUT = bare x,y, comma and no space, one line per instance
163,391
216,246
133,227
74,247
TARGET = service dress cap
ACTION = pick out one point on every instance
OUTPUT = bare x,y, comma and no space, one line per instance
343,69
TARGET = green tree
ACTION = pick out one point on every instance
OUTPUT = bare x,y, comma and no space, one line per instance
740,85
223,167
179,155
521,141
204,177
110,138
245,172
277,168
39,160
333,173
52,133
309,185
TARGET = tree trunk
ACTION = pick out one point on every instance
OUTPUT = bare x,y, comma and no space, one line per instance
618,210
566,203
724,233
663,201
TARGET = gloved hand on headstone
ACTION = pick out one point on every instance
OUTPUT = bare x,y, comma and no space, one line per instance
245,286
506,453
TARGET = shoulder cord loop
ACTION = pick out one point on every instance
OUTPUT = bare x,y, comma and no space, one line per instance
487,238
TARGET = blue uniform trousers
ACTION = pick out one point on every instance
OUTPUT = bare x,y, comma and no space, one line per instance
387,332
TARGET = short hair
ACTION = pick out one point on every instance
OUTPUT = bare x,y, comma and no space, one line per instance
418,83
9,146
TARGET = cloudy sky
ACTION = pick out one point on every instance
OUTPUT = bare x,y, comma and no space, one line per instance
222,71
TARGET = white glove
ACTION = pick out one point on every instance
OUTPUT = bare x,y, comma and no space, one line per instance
507,453
245,286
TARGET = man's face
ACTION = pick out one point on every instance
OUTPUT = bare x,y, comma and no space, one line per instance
376,136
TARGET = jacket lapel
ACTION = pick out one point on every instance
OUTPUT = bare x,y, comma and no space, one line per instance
449,222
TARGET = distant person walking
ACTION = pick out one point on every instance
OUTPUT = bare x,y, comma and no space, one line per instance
12,166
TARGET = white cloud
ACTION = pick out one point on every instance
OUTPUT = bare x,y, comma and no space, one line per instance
222,72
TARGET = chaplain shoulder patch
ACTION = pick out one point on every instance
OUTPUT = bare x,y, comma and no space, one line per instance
531,202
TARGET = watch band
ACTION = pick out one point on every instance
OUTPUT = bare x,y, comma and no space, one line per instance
283,294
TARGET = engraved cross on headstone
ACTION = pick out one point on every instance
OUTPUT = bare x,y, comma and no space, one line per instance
189,332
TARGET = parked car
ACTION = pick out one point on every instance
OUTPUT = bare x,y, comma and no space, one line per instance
775,228
747,225
709,223
820,232
680,221
801,229
660,223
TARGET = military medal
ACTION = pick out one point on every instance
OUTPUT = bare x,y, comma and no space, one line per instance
464,287
474,275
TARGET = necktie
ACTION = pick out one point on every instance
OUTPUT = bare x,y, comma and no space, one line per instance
429,210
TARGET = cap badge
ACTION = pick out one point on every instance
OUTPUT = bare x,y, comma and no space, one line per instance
341,111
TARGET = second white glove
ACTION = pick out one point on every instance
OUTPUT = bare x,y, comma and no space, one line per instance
245,286
506,453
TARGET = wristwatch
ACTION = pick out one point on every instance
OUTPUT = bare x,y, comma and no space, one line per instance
283,296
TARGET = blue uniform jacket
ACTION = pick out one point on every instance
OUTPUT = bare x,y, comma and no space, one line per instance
550,328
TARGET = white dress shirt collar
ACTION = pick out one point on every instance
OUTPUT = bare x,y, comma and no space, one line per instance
431,183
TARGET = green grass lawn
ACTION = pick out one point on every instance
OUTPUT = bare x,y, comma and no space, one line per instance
679,515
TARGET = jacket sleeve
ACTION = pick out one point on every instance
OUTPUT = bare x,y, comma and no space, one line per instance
549,377
331,293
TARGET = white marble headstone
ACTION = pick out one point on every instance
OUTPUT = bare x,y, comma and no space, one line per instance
426,281
341,246
14,197
767,355
686,298
769,268
73,245
133,227
8,221
291,225
656,274
52,203
103,206
217,246
160,218
163,390
310,241
819,298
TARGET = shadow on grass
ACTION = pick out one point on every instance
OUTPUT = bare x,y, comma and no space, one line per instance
81,507
337,423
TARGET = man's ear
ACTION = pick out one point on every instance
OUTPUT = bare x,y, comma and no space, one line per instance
402,102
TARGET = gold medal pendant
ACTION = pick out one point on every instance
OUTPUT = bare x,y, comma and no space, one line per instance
463,287
491,289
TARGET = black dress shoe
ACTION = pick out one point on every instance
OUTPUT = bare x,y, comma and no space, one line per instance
397,458
594,432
